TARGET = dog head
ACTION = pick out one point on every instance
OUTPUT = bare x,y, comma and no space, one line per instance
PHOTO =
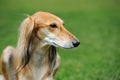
51,30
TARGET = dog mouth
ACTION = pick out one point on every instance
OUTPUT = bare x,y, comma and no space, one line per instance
65,45
56,45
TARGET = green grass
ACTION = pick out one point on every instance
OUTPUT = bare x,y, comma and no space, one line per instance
95,23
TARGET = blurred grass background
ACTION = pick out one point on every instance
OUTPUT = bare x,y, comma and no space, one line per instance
95,22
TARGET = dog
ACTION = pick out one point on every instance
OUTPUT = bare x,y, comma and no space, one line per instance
36,57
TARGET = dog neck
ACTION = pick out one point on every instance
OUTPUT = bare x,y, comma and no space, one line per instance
39,51
43,58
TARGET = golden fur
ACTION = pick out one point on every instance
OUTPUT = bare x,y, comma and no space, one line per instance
36,57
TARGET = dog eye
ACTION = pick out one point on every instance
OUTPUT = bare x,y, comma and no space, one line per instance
53,25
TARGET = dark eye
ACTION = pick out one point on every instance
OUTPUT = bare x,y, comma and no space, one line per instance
53,25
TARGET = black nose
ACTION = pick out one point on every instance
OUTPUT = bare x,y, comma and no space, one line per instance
75,43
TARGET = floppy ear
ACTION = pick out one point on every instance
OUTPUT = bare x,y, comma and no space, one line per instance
52,54
25,42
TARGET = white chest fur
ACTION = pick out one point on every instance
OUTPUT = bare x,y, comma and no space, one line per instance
39,67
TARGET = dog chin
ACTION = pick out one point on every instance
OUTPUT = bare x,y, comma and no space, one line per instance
68,47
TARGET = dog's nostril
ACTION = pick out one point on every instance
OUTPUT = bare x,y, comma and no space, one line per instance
75,43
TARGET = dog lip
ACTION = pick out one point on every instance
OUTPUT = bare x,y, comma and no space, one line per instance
55,44
62,46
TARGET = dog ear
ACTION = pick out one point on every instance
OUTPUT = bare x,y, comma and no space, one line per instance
25,42
52,55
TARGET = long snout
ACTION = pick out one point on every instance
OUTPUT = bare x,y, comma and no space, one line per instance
69,40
